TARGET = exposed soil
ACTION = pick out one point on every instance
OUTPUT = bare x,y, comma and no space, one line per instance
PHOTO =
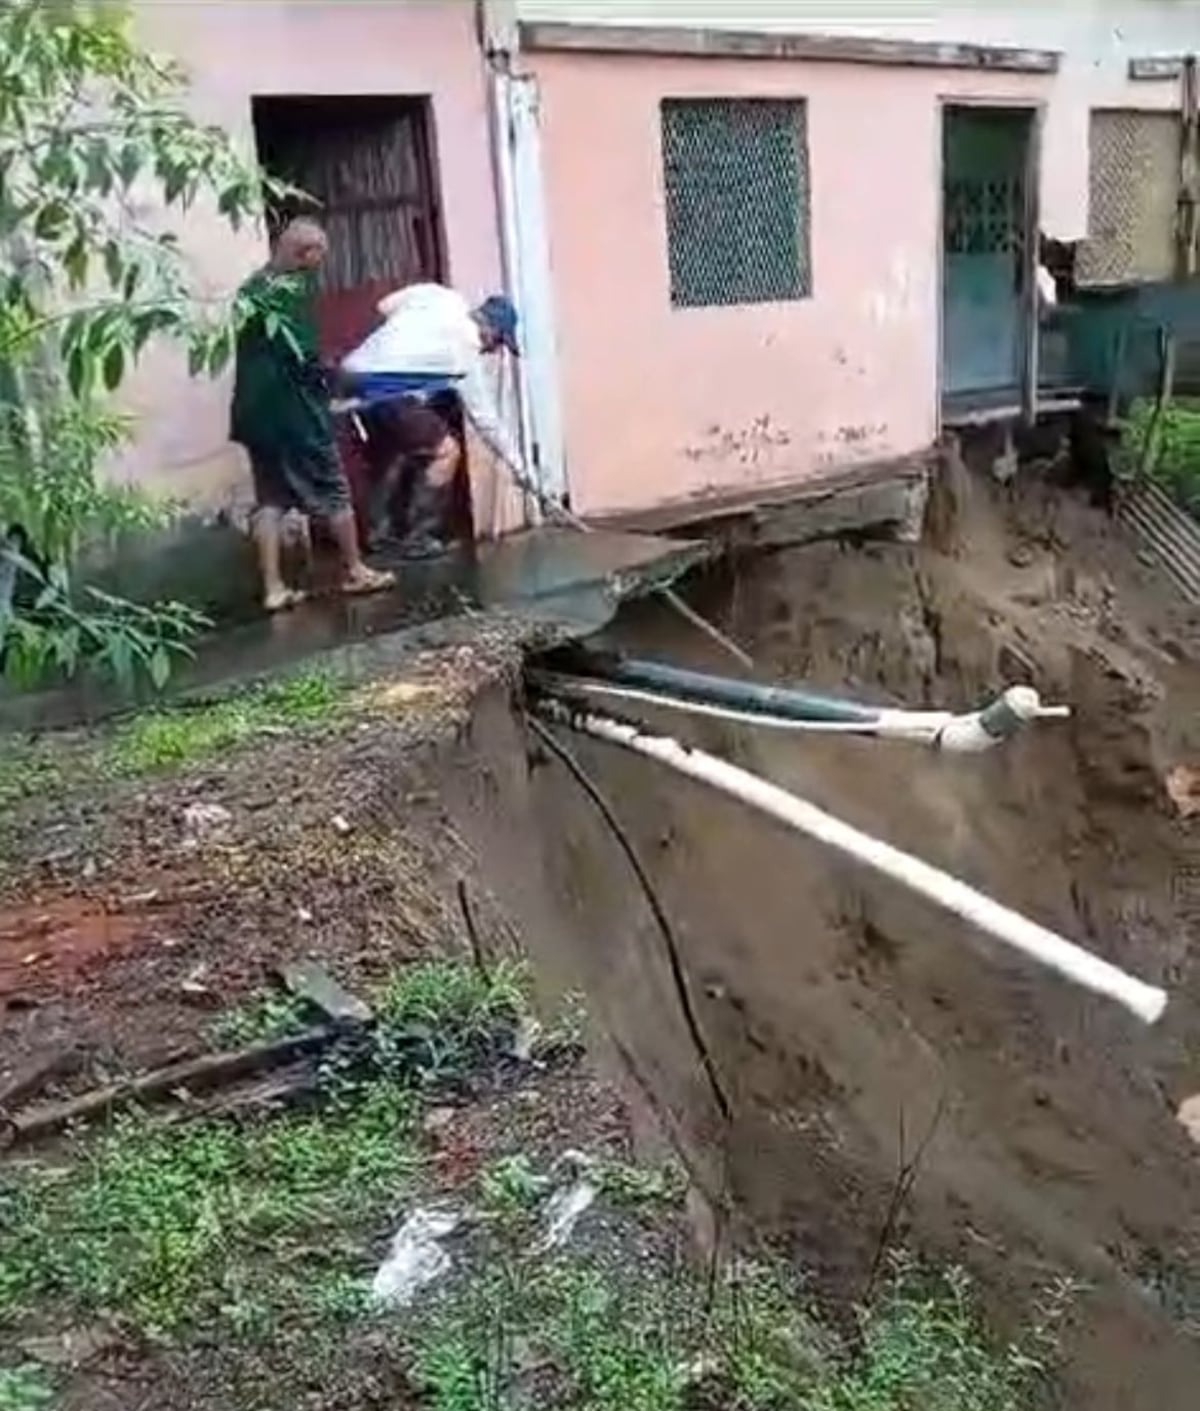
853,1026
857,1029
134,909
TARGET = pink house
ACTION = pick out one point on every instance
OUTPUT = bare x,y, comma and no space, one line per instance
384,108
748,261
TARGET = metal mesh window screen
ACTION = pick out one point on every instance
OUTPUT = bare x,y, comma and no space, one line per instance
737,201
1134,182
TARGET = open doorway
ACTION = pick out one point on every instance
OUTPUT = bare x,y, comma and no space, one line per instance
368,164
989,254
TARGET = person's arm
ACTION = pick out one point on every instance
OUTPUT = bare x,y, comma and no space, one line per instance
479,407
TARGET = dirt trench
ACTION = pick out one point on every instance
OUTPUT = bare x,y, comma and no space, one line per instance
856,1031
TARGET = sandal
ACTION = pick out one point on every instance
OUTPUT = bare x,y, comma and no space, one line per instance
370,580
290,598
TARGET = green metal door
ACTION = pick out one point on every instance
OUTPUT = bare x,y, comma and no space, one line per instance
985,157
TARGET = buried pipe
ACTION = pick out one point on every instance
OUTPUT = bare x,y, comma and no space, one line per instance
659,683
1072,961
971,733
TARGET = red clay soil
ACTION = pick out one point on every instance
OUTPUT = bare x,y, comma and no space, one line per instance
122,934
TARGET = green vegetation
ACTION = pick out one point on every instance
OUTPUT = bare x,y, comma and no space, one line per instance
24,1389
168,1224
235,1240
648,1335
442,1018
1177,465
173,738
260,1020
86,285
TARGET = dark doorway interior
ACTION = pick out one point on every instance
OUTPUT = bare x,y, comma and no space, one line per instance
368,165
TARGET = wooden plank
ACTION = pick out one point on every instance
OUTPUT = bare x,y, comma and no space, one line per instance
702,43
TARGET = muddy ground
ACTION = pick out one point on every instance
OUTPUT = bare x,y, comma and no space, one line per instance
857,1033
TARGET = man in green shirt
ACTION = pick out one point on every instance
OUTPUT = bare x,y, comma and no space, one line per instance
281,416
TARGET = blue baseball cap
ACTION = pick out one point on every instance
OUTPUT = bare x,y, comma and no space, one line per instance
501,315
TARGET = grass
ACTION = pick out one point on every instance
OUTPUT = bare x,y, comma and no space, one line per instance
647,1336
24,1388
169,739
159,741
233,1239
167,1224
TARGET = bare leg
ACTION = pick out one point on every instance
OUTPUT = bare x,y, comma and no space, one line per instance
267,528
444,465
380,508
356,576
431,502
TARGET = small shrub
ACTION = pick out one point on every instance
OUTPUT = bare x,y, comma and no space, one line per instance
261,1020
1178,466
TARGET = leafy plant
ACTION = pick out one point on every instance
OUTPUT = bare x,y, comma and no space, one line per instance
261,1020
92,134
24,1389
1177,467
127,640
511,1186
442,1017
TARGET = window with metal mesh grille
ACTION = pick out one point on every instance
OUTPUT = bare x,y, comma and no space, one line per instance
1134,183
737,189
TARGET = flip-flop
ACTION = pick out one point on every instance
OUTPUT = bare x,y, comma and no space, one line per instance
374,581
292,598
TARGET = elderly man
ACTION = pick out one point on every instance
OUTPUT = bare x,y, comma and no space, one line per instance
431,342
281,416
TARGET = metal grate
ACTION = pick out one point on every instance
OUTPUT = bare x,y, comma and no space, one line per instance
1169,535
984,217
737,201
1133,190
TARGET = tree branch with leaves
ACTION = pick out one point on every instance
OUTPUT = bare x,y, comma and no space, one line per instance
94,133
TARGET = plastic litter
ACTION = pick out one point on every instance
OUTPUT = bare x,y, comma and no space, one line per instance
417,1258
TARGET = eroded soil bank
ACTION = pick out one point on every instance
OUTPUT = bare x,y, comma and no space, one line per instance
148,885
856,1030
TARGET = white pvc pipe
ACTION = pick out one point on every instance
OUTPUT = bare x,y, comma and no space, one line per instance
1070,960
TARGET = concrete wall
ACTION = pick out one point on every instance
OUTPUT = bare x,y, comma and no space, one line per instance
236,51
1095,37
664,404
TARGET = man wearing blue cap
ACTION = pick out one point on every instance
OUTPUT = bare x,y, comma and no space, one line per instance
431,342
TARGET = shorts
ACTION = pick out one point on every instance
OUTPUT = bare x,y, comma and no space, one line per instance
311,481
409,428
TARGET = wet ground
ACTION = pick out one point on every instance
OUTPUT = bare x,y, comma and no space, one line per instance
556,580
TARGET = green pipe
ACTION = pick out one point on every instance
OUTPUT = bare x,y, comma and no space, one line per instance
723,690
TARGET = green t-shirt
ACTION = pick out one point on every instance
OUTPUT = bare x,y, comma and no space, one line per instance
280,401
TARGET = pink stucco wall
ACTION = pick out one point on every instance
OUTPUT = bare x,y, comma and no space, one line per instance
664,404
304,47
